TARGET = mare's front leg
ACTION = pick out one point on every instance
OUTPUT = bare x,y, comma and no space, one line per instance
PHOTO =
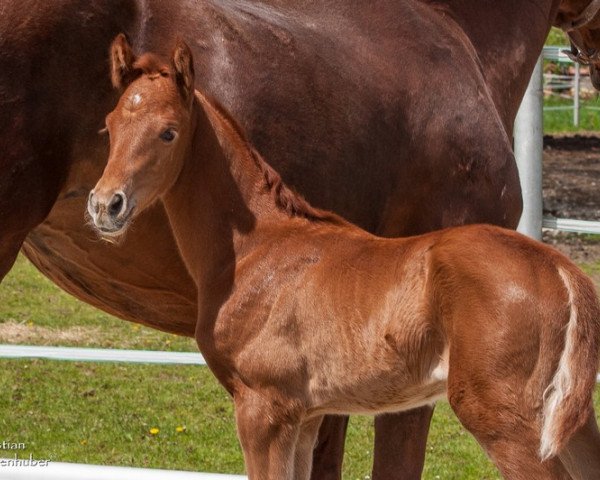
269,430
32,173
26,196
9,249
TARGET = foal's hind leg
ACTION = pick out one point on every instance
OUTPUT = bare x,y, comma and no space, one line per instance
512,442
581,456
491,413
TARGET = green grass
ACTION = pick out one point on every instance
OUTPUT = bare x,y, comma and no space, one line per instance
559,121
557,37
48,315
102,413
562,121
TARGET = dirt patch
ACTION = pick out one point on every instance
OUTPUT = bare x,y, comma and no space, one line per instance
13,332
571,186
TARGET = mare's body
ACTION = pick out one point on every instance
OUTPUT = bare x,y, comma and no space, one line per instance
365,324
396,115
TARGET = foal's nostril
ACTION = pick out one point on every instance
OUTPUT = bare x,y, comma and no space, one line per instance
116,205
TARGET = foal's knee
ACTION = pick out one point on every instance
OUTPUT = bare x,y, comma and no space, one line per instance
259,417
268,429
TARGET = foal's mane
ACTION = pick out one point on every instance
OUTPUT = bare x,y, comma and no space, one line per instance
286,199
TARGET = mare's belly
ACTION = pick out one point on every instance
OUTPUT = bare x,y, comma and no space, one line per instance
141,279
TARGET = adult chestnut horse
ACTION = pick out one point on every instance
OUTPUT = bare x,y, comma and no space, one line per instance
395,114
366,325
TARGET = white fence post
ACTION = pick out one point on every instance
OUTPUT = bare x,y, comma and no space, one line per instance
576,92
528,146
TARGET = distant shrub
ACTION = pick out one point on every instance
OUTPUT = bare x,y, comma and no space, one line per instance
556,37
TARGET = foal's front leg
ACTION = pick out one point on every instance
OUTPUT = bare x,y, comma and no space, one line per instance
305,447
269,430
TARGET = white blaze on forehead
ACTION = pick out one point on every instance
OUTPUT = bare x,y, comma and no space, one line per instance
136,99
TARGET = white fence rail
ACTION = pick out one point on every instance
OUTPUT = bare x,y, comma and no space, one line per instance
571,225
563,83
101,355
73,471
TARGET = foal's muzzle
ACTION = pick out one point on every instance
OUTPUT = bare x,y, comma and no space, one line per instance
109,212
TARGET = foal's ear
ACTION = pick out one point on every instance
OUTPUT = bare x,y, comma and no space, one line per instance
183,63
121,62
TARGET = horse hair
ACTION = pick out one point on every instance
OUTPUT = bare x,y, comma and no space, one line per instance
151,65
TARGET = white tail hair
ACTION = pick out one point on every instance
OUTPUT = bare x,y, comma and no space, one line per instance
562,383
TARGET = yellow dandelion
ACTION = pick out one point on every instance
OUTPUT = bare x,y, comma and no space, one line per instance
154,431
181,429
83,442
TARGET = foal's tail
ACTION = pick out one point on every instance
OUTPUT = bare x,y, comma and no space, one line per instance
567,398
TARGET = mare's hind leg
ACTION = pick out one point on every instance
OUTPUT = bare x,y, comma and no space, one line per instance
492,413
581,456
268,430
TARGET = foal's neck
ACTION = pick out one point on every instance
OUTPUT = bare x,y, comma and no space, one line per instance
222,203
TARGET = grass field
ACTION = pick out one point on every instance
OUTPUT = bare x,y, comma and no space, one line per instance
105,413
560,121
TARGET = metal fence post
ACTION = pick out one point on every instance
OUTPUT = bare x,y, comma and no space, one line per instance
528,146
577,81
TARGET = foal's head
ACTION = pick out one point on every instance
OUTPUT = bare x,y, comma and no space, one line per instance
150,130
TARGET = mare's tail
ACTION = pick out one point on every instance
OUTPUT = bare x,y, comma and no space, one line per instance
568,397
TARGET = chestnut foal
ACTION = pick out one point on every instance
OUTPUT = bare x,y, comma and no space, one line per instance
302,314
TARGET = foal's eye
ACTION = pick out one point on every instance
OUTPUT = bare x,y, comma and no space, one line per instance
168,135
